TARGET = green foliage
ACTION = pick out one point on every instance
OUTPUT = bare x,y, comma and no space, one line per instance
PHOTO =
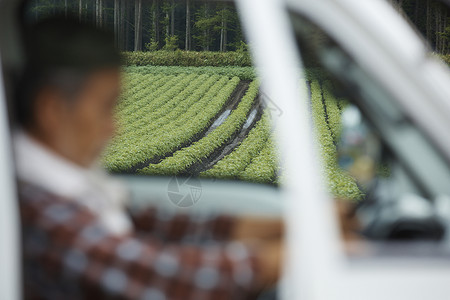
153,45
187,58
171,43
224,15
204,26
242,47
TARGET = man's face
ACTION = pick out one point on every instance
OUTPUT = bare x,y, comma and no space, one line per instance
79,129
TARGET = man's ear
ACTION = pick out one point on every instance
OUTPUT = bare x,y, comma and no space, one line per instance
50,110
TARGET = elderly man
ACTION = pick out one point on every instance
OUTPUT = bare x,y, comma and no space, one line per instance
80,240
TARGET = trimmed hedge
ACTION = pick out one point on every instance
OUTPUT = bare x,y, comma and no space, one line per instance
188,58
182,58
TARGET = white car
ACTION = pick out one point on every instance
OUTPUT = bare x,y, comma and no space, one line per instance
402,91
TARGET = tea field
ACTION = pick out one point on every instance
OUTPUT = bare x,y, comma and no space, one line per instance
211,122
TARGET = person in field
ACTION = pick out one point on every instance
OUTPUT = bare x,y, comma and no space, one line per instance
81,238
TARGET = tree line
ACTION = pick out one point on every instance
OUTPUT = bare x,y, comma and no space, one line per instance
431,18
149,25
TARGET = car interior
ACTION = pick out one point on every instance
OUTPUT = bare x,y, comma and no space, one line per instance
401,196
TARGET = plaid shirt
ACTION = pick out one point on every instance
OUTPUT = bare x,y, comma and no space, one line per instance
68,254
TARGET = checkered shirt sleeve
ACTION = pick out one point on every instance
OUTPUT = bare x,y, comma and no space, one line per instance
69,255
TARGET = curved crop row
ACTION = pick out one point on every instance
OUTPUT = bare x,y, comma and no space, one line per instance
135,82
186,157
187,111
129,115
263,167
179,128
137,129
166,104
187,82
142,89
144,99
234,163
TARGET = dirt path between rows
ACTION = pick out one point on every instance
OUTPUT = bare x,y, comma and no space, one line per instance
254,115
233,102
